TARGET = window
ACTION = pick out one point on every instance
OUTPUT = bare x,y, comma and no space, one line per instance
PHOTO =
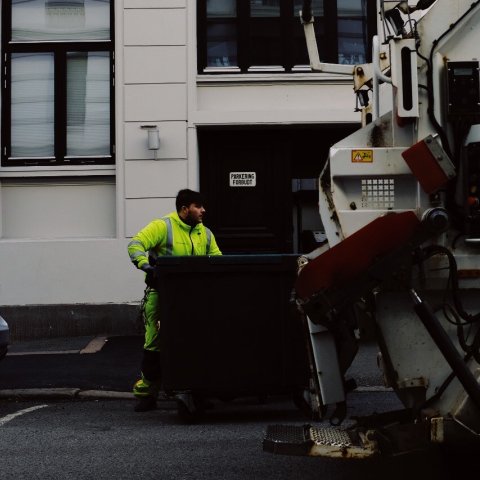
352,32
57,95
266,35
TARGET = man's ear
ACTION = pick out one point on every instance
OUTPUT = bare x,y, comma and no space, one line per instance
183,210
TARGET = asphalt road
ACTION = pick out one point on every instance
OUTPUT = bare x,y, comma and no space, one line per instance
107,440
42,436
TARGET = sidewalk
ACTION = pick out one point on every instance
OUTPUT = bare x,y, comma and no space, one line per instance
72,367
107,367
88,344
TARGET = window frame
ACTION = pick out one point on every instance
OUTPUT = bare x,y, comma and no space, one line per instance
59,49
242,22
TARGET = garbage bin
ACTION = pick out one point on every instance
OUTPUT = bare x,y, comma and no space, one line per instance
228,328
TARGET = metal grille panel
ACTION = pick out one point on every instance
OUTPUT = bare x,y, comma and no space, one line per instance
378,193
287,433
330,436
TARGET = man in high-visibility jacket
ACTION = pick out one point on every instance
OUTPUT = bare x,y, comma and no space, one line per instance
178,233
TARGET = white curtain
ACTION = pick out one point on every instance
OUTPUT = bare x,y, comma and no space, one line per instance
32,105
61,20
88,103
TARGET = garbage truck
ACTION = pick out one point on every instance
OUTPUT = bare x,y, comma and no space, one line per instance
400,203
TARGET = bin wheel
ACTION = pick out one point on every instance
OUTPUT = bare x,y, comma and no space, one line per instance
188,409
186,415
300,400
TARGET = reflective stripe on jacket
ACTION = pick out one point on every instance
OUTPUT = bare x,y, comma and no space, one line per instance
171,236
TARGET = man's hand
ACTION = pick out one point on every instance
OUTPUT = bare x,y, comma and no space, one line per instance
147,268
151,274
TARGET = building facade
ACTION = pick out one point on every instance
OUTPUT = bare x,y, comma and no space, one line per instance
110,107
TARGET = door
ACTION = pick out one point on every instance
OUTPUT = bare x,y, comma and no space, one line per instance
245,176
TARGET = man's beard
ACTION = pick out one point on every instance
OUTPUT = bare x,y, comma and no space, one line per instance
189,220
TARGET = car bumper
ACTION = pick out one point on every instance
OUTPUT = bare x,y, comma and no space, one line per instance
4,337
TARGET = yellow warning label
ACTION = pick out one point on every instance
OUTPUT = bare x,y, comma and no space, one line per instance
362,156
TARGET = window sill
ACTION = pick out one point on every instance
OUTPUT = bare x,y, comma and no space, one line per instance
58,171
220,76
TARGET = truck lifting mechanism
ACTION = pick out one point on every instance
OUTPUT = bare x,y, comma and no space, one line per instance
400,203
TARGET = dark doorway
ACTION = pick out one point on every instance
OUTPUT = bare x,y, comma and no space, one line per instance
259,181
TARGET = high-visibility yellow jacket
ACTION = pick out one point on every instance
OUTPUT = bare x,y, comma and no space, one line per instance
169,235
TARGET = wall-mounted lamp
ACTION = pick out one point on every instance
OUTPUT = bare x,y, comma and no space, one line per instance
153,139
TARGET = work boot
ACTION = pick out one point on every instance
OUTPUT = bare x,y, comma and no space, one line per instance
145,404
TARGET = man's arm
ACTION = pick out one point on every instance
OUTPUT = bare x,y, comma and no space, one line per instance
146,239
214,249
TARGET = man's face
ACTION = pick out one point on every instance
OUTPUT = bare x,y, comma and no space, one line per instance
193,214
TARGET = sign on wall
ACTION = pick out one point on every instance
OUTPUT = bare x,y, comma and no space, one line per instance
243,179
362,156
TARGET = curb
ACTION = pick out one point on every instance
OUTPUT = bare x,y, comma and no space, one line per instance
77,394
105,394
95,345
73,393
63,393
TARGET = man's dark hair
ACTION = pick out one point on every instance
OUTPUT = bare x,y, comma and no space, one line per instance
186,197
